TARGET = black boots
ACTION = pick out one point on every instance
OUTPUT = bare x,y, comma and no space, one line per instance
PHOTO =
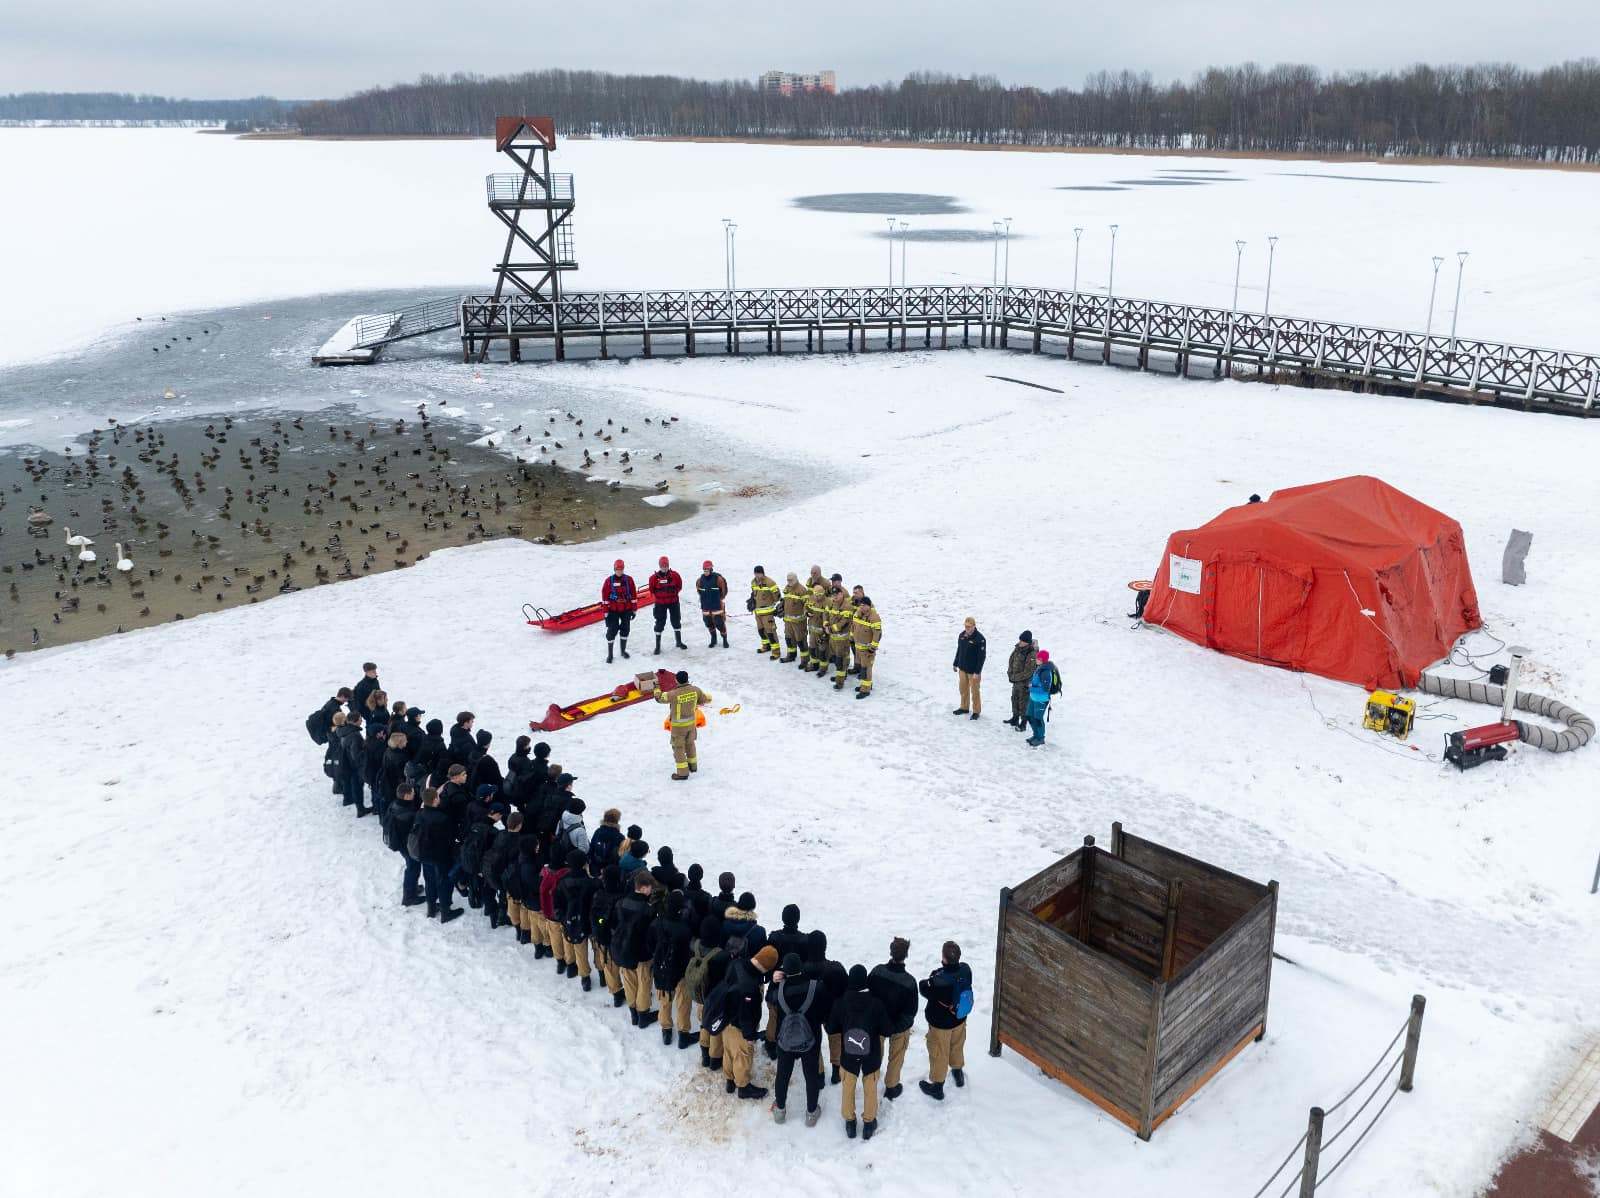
666,1036
412,900
833,1078
618,998
677,636
453,913
771,1050
625,647
586,984
658,644
934,1090
611,652
867,1128
705,1058
688,1040
959,711
892,1092
850,1128
645,1018
958,1076
713,642
752,1091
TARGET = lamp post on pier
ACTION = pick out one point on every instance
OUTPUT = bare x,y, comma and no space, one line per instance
1461,269
1272,250
1111,273
1006,278
1238,263
1077,241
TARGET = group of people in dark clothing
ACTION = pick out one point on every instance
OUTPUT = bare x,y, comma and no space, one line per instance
696,963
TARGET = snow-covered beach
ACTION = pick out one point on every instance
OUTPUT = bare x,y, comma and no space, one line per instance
208,963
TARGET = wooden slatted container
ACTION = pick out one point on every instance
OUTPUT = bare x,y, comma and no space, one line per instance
1133,976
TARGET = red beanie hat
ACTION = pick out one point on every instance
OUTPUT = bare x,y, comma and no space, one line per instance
706,565
617,565
663,563
1044,655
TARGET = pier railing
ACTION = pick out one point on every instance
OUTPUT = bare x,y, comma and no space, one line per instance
1187,333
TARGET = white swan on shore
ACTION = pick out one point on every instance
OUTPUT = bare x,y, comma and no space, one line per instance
85,554
124,564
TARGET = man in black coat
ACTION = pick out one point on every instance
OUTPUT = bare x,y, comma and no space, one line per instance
837,978
436,849
787,939
897,991
573,898
666,871
320,725
670,940
397,821
352,762
743,1010
971,649
801,997
860,1022
462,743
630,946
501,855
484,770
602,922
454,798
431,759
707,946
948,990
363,688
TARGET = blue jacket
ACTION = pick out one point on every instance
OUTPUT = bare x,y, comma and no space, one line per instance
1039,685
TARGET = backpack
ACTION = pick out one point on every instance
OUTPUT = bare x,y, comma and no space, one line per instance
794,1030
414,842
386,822
857,1042
694,974
715,1015
964,1002
317,727
1055,679
472,848
573,925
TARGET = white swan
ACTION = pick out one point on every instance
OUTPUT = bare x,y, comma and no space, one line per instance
78,540
124,564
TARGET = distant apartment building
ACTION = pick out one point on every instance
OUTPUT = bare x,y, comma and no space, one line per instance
786,83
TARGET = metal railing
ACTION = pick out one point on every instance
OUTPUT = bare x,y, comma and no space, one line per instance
430,316
507,188
1328,348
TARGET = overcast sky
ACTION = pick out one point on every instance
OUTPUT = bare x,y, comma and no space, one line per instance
303,49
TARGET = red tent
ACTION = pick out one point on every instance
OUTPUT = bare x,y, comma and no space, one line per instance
1349,579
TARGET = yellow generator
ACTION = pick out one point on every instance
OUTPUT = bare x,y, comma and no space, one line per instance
1388,712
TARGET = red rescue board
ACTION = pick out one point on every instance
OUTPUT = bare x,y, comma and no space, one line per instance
625,694
578,617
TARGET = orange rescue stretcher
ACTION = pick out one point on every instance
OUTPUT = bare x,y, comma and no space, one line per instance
626,694
578,617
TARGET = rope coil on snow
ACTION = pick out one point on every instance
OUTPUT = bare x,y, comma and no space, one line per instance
1580,728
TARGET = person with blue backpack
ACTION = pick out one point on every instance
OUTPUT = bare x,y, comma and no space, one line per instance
1045,683
948,990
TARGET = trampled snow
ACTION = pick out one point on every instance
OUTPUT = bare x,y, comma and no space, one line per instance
206,962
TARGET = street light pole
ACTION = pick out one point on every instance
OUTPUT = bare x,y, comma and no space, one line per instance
891,251
1007,276
733,257
904,225
1432,293
727,252
1111,274
1077,241
1461,269
1272,249
994,274
1238,262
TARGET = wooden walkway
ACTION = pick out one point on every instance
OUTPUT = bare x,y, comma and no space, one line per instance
1150,334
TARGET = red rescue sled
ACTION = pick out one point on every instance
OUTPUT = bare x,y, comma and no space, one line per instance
578,617
624,695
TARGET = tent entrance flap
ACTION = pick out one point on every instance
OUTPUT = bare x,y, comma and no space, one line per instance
1255,610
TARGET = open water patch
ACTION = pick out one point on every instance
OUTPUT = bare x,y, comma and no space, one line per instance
1091,187
1354,178
946,235
882,203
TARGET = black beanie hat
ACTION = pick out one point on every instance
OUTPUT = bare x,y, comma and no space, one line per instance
675,903
635,831
576,860
696,872
542,749
858,977
523,742
435,727
791,963
710,929
484,736
817,945
747,901
1026,635
791,916
664,855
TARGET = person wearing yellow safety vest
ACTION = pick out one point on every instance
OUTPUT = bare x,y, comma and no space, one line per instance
816,629
794,618
866,630
682,701
840,610
764,601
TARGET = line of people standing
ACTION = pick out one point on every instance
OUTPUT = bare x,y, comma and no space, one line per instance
1034,680
697,964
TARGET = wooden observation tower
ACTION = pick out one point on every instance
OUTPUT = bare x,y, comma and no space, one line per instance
535,205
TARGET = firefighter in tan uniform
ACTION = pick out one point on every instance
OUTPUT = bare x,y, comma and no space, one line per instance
816,579
839,612
866,630
683,701
765,599
794,618
816,629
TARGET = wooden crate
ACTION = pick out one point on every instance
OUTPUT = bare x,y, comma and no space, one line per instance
1133,976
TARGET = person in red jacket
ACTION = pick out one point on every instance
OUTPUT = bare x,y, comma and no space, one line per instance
549,878
618,594
665,585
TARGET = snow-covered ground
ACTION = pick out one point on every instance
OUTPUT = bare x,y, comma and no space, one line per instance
102,225
208,984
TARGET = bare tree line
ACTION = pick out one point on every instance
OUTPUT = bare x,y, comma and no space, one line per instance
258,112
1483,111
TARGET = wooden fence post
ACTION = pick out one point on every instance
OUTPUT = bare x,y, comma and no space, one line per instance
1272,941
1085,890
1169,930
999,972
1308,1171
1116,838
1408,1065
1152,1047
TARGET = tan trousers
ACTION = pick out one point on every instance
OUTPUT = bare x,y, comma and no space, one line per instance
736,1056
865,656
794,632
712,1044
839,652
608,969
683,756
767,626
847,1096
946,1050
897,1058
674,1002
971,694
835,1049
578,954
557,938
538,928
636,984
515,913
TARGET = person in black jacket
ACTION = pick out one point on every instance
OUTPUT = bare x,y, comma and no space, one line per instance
396,822
462,744
453,798
518,768
945,989
436,849
743,1010
431,756
602,921
320,725
377,743
415,732
666,871
670,945
787,939
897,991
837,979
352,762
605,840
971,649
573,898
696,902
363,688
501,855
707,947
860,1022
630,946
392,772
799,995
484,770
522,885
